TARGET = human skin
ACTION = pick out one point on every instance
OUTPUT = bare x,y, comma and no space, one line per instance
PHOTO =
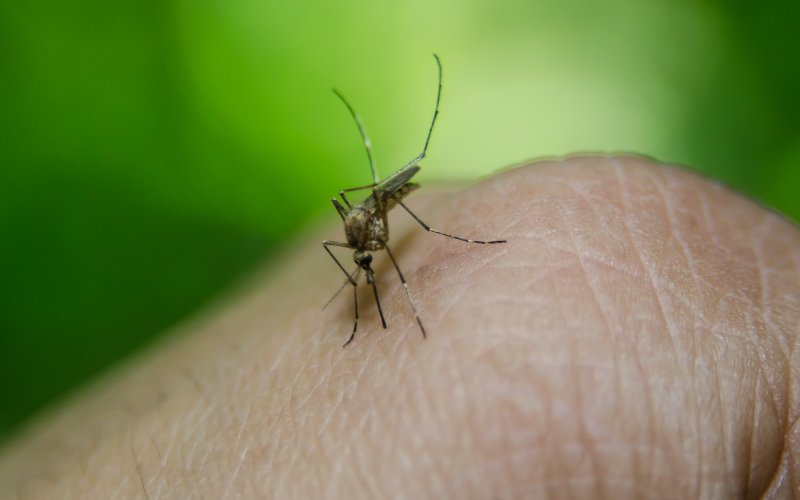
636,336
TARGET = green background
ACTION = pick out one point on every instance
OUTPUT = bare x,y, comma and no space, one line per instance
152,152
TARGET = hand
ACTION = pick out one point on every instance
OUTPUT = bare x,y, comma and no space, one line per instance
636,336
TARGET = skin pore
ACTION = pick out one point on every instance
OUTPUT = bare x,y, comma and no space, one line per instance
636,336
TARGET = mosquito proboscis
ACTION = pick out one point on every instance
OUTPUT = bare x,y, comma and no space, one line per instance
366,225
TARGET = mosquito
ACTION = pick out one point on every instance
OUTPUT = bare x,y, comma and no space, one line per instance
365,223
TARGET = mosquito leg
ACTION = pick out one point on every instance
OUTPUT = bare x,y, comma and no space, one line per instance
364,136
355,322
328,243
405,286
339,208
345,200
349,281
432,230
371,280
359,188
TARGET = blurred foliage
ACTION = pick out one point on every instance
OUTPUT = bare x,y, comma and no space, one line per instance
151,152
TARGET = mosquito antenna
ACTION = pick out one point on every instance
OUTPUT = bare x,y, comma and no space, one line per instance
353,277
435,109
364,136
435,114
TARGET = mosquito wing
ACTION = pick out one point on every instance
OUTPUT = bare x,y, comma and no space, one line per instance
397,179
392,187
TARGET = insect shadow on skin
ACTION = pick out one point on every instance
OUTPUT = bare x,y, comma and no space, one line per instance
366,225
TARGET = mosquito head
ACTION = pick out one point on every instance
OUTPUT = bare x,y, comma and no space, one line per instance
363,259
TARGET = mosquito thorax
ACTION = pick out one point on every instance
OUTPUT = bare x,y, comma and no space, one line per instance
365,229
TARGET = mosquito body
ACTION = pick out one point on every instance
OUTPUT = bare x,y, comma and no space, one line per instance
365,223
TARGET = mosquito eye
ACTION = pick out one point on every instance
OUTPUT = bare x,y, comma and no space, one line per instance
362,258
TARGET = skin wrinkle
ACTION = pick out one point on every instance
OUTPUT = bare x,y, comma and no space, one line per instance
676,234
461,404
243,424
305,404
584,254
591,452
370,480
786,467
517,460
785,350
763,286
122,484
582,432
553,451
763,271
204,460
299,410
138,470
649,404
761,365
714,320
331,409
564,452
276,430
793,434
778,482
196,422
416,417
428,402
755,388
791,441
362,460
161,466
549,410
723,430
393,422
212,437
611,265
744,340
755,345
190,458
156,477
656,282
753,442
